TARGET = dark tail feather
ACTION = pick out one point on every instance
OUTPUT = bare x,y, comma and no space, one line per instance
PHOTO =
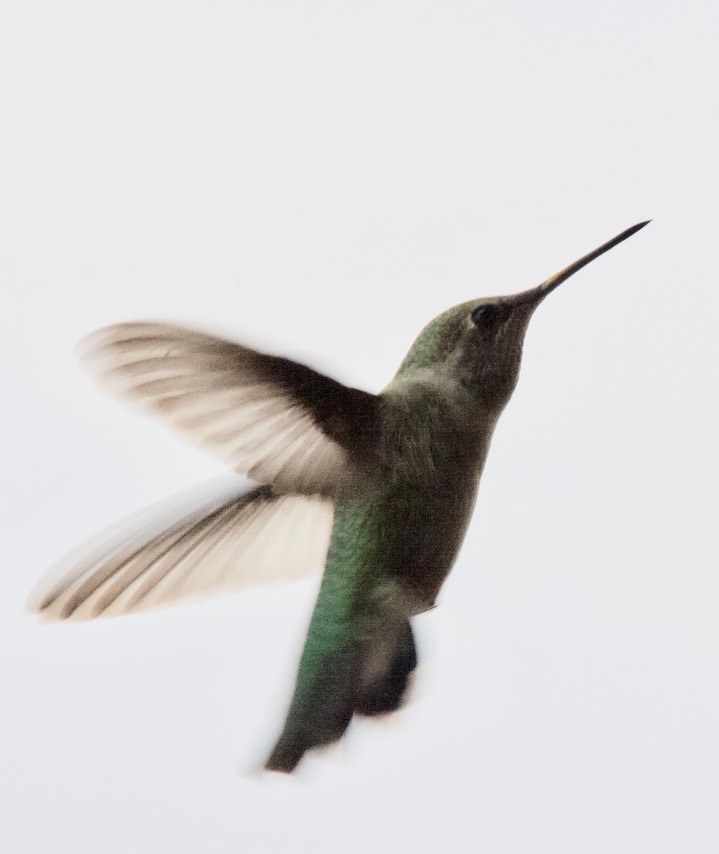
288,752
372,680
319,714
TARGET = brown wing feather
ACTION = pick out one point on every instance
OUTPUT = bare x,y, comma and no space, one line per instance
272,419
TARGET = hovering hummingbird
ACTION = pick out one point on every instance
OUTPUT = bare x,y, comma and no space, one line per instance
380,487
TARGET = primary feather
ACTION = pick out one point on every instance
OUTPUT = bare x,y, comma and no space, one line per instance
236,540
271,419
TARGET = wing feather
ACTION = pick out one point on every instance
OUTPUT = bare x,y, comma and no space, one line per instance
274,420
236,540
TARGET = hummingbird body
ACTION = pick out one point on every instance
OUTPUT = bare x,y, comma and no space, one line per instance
380,486
391,549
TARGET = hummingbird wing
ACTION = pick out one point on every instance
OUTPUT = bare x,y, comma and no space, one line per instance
271,419
238,539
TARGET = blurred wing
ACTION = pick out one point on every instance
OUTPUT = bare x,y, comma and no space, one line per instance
234,541
272,419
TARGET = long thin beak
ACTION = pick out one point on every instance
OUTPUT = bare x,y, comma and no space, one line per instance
536,295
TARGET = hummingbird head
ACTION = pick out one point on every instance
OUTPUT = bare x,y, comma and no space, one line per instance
480,342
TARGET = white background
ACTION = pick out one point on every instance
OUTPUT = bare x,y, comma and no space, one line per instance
321,179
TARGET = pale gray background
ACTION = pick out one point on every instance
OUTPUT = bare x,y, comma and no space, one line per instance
322,178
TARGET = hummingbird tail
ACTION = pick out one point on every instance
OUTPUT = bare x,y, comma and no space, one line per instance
367,677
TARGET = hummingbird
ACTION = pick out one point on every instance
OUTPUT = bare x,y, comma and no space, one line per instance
379,488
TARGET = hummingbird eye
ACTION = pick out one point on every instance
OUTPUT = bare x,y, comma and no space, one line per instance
485,316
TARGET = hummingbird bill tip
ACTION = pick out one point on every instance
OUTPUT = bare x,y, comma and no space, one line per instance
629,232
551,283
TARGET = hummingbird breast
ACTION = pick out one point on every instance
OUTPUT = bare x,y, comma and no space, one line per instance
407,530
407,537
